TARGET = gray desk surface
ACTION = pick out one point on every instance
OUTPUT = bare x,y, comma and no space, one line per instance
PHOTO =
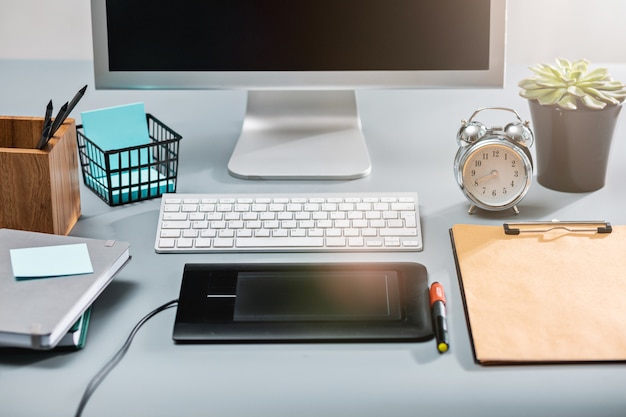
411,135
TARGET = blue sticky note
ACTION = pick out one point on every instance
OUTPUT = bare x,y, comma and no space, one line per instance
130,186
51,261
118,127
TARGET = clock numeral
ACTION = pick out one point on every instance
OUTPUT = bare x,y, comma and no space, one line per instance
516,173
485,155
473,173
496,154
477,163
504,192
514,163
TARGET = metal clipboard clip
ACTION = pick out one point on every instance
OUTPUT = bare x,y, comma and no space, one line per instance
600,226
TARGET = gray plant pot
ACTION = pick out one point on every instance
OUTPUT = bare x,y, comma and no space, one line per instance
572,146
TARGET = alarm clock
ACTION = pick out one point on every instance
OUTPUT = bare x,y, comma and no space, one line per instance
493,166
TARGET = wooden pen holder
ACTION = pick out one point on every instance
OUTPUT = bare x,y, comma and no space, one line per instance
39,189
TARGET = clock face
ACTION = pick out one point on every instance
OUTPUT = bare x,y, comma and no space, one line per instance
495,175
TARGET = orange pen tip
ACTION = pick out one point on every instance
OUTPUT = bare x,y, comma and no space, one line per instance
436,293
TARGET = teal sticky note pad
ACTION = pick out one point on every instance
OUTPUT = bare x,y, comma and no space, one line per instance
119,127
50,261
116,127
130,186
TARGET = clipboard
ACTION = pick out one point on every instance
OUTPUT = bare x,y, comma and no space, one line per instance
543,292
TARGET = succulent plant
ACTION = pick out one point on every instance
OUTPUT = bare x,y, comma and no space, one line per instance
568,84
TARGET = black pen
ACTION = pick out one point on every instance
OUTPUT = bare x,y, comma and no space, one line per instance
46,126
70,107
44,134
438,308
55,125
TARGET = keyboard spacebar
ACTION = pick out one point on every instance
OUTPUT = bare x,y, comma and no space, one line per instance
283,242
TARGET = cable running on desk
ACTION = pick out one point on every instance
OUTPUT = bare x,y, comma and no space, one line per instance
108,367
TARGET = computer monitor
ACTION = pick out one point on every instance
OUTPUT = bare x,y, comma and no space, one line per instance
301,62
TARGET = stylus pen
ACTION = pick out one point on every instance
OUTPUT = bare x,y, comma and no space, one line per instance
47,124
438,308
55,125
70,107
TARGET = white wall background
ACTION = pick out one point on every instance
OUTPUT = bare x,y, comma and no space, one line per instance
538,30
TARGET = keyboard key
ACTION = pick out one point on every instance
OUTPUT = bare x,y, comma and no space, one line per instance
203,242
335,241
174,216
175,225
273,242
184,243
223,242
171,233
397,232
356,241
167,243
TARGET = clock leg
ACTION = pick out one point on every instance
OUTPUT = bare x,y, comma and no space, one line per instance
471,209
515,210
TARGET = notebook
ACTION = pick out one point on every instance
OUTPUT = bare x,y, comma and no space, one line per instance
552,295
37,313
76,336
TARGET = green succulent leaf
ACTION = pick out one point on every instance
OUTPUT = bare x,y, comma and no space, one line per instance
568,84
536,93
552,96
563,63
551,82
528,84
575,75
596,75
613,86
568,102
576,91
581,65
603,96
592,103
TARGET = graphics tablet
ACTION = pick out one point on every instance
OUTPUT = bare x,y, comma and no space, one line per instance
303,302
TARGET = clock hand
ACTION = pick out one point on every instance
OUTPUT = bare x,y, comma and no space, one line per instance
486,177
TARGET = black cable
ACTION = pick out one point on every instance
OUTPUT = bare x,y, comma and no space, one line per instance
108,367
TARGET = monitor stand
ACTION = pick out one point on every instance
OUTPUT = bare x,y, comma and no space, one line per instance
301,135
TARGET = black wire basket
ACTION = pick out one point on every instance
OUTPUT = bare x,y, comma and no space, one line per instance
136,173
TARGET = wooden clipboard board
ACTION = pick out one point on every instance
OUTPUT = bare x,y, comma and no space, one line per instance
548,295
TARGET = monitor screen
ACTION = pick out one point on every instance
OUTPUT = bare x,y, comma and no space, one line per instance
301,62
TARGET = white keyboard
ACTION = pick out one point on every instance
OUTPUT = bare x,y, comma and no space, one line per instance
330,222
